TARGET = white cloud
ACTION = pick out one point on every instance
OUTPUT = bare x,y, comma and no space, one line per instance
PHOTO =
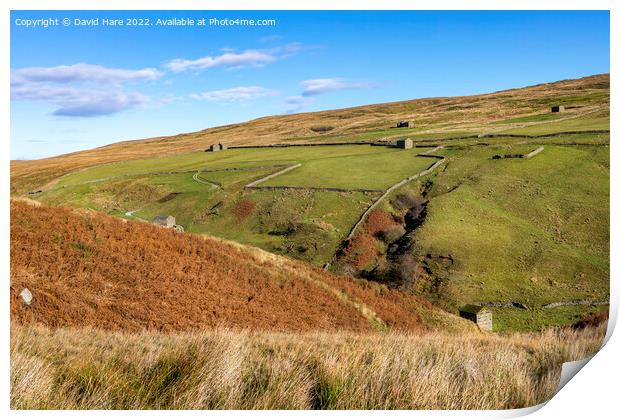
80,72
72,102
236,94
315,87
231,59
248,58
80,90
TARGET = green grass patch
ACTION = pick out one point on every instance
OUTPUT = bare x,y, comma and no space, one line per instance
513,319
527,230
366,167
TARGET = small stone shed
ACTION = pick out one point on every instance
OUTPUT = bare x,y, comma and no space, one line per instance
215,147
165,221
403,124
404,143
557,108
481,315
223,146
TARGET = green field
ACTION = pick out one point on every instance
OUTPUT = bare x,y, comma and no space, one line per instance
595,121
366,167
532,231
304,224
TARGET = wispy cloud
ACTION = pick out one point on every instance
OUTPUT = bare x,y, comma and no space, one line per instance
315,87
80,72
80,90
253,58
232,59
236,94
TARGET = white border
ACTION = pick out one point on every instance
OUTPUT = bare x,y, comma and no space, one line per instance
592,394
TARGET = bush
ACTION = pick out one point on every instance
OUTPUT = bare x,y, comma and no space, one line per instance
407,268
407,200
321,128
378,221
392,233
279,219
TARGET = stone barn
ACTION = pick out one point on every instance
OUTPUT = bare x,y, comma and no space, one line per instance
165,221
215,147
404,144
482,316
223,146
557,108
403,124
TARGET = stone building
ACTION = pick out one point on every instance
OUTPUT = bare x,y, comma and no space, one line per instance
557,108
223,146
215,147
404,143
403,124
482,316
165,221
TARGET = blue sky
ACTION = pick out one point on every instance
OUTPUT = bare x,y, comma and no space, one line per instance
79,87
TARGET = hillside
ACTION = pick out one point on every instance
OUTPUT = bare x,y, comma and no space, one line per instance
530,237
505,111
85,269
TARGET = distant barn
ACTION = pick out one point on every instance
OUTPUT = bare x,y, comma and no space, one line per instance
557,108
404,144
223,146
165,221
403,124
482,316
215,147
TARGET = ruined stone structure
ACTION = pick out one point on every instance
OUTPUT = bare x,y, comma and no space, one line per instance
557,108
403,124
481,315
404,143
165,221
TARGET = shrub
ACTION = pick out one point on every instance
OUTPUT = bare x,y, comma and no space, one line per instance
392,233
407,268
378,221
322,128
405,200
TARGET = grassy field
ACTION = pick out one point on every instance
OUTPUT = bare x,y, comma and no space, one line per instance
305,224
595,121
223,369
533,231
367,167
320,165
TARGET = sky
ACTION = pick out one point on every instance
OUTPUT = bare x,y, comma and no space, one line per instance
76,87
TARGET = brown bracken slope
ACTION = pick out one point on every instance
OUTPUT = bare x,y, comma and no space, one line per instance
88,269
431,115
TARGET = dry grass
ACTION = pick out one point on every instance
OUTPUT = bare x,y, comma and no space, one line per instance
92,369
